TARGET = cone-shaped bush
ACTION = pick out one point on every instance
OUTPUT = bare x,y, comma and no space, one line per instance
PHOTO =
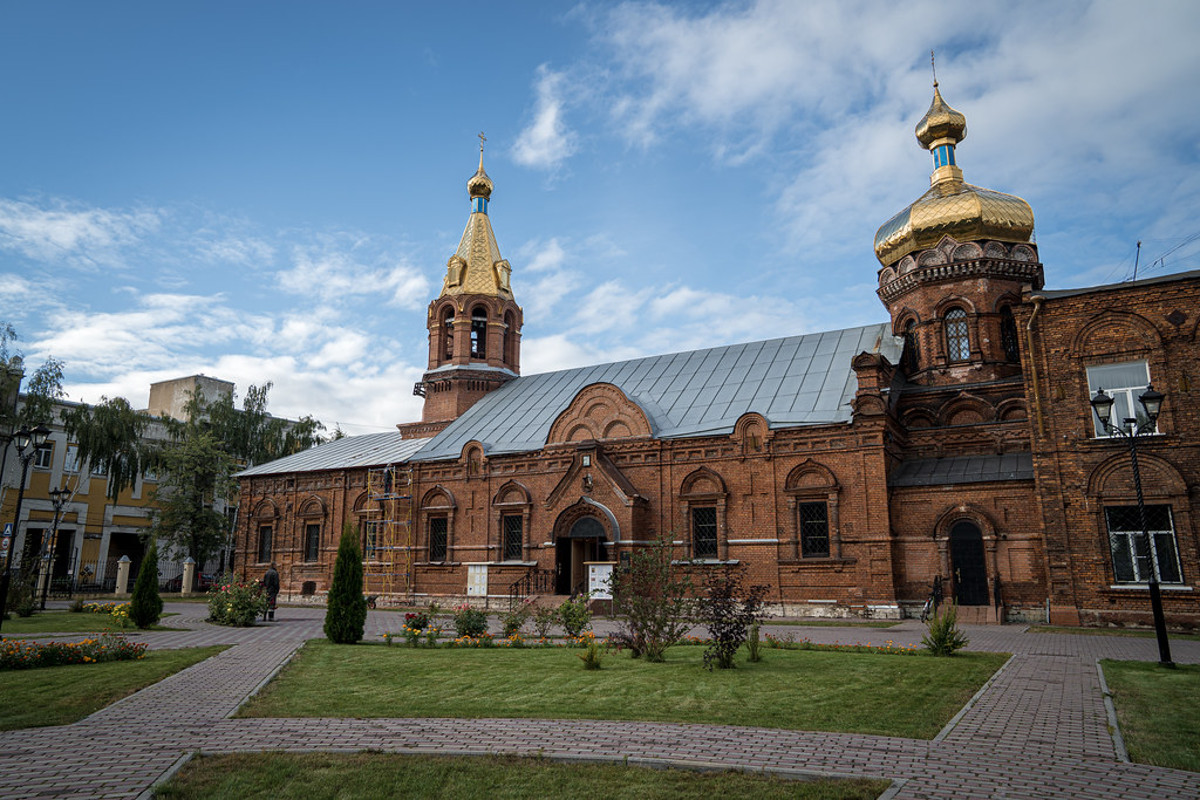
145,606
346,611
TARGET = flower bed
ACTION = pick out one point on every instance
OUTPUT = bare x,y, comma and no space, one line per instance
20,654
888,647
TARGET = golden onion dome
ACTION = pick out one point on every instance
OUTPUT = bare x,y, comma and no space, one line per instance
951,207
941,122
480,185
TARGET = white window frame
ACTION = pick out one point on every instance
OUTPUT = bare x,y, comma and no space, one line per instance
1125,398
43,457
1131,538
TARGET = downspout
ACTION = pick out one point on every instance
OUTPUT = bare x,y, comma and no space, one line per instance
1037,392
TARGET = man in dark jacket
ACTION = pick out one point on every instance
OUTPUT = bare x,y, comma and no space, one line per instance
270,584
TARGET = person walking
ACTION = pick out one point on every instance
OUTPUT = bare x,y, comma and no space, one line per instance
270,584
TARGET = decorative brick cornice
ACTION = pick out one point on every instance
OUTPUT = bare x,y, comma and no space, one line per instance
1007,269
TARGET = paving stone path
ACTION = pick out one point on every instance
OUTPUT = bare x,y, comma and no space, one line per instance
1039,729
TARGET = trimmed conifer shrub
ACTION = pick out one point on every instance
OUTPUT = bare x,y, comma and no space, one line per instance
145,605
346,609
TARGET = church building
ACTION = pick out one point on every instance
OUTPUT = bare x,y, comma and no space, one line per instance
955,440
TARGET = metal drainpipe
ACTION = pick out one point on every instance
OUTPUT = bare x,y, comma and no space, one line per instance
1037,394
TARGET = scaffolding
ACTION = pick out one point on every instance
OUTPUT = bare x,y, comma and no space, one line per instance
389,550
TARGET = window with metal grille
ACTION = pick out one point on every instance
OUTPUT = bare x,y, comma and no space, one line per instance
814,530
370,529
1135,553
312,541
264,543
513,540
437,538
958,340
1124,383
704,532
1008,335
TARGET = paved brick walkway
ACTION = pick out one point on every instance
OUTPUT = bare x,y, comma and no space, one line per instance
1039,729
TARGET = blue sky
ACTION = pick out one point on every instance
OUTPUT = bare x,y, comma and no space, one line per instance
270,190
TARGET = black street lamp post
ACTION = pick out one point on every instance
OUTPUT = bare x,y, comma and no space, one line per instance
28,442
1131,430
59,498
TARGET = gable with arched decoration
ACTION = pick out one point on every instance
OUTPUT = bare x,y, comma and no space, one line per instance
598,412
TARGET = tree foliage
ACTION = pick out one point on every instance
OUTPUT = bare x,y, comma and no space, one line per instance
194,473
250,434
346,608
654,596
145,604
728,610
110,439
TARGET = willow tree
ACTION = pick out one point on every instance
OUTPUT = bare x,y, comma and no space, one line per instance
109,440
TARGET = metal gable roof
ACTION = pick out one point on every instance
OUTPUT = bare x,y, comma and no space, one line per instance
796,380
371,450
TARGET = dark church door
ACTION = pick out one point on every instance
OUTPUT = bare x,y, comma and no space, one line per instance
967,561
584,542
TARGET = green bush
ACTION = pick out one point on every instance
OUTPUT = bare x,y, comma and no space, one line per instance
346,609
145,606
543,620
77,605
236,602
515,620
574,615
469,621
590,655
944,637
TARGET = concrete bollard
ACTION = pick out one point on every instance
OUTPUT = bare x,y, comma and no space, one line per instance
123,575
189,575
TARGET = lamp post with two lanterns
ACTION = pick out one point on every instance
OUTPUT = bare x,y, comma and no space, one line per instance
59,498
28,442
1131,429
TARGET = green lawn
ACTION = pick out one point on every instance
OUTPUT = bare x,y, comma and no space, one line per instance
287,776
1137,632
62,695
67,622
911,696
1158,710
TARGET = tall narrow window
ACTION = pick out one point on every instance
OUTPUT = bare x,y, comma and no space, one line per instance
513,537
1124,383
370,530
312,541
437,538
1135,555
958,340
448,332
479,332
1008,335
912,356
264,543
814,530
704,532
510,339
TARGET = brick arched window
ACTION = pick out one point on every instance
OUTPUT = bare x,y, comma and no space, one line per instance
1008,335
448,332
479,332
958,337
912,354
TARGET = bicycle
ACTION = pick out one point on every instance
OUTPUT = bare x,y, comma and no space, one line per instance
933,601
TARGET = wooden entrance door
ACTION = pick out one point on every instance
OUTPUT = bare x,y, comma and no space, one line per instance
968,564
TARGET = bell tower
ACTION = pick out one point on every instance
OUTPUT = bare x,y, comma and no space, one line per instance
954,264
474,323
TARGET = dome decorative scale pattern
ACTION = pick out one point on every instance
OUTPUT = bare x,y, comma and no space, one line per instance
951,207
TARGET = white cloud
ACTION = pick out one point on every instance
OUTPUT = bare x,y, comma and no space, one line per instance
72,234
546,142
328,273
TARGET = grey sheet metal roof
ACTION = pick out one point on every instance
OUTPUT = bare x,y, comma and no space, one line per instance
371,450
797,380
964,469
1112,287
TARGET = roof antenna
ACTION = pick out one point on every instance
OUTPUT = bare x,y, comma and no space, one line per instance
1136,257
933,66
